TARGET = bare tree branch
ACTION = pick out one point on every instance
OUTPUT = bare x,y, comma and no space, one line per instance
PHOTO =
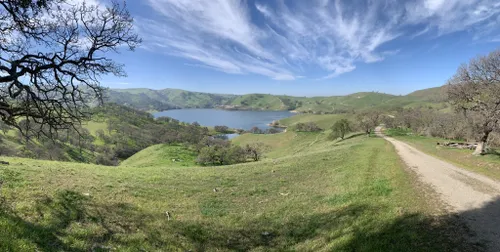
475,91
52,58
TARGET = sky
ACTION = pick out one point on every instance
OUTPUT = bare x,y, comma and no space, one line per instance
305,47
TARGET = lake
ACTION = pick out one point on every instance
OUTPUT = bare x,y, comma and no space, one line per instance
236,119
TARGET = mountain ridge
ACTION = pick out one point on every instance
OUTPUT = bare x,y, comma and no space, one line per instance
164,99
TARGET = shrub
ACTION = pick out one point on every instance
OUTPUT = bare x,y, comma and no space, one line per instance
272,131
106,159
256,130
221,155
307,127
221,129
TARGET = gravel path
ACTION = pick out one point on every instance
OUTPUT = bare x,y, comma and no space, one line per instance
473,197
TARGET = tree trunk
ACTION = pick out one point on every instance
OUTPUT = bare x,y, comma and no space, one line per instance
481,146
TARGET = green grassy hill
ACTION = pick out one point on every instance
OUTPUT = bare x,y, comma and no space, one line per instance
162,155
113,134
437,94
156,100
323,121
309,194
259,102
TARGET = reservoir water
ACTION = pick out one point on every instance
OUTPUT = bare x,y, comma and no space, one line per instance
236,119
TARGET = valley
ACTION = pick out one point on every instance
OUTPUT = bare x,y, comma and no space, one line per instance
234,125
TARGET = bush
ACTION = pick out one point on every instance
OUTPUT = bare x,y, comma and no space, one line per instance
221,155
307,127
234,155
105,159
222,129
255,130
210,141
215,151
272,131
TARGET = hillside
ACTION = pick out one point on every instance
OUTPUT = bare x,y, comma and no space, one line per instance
257,102
436,94
157,100
113,134
162,155
148,99
310,194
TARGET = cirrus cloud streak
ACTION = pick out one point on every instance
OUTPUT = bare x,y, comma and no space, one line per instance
285,40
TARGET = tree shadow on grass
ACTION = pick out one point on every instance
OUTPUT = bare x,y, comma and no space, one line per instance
59,222
62,220
344,230
492,152
15,227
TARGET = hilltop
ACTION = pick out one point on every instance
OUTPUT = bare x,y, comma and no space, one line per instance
157,100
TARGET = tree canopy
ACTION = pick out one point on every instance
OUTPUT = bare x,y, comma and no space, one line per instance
52,55
340,128
475,91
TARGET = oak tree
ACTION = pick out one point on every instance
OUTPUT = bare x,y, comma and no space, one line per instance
52,56
475,91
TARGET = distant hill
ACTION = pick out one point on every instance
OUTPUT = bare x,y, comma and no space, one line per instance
148,99
437,94
165,99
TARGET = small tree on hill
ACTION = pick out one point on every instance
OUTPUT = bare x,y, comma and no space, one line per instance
368,120
340,129
254,150
475,91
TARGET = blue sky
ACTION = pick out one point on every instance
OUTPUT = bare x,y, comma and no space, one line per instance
313,47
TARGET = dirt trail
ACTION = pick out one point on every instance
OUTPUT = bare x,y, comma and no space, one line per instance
473,197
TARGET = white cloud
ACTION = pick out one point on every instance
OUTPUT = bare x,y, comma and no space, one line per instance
454,15
285,39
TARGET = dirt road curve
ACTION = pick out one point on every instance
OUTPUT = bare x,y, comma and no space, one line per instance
474,197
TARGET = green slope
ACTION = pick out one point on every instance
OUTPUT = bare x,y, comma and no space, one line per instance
437,94
162,155
148,99
309,195
323,121
258,102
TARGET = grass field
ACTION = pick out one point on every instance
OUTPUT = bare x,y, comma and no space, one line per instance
488,165
312,195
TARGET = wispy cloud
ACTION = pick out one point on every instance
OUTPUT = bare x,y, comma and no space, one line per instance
284,40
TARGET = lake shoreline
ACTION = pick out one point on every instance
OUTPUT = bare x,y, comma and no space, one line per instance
234,119
222,107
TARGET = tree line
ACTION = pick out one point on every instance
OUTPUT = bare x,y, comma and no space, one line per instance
474,93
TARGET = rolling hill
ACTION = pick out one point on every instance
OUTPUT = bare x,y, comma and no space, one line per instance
157,100
149,100
309,194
